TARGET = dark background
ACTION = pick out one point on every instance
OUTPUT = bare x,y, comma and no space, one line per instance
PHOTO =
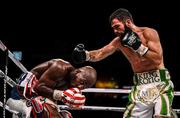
47,30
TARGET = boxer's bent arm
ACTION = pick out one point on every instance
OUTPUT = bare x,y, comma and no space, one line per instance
155,50
42,90
47,82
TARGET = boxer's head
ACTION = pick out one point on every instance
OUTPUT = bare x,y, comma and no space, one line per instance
84,77
119,20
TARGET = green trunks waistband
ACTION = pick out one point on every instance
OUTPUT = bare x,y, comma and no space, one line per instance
151,77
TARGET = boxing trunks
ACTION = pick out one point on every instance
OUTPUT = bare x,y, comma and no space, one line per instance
24,89
152,93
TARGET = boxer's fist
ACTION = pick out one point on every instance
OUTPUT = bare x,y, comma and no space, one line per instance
132,40
79,54
73,98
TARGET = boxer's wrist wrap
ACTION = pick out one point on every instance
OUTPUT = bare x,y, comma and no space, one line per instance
87,55
57,95
142,50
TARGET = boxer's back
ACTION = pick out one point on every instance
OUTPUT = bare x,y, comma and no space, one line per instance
53,73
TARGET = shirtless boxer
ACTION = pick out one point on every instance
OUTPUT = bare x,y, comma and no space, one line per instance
152,93
54,80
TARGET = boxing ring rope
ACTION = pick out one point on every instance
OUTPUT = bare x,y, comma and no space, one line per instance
103,90
97,108
89,90
102,108
8,79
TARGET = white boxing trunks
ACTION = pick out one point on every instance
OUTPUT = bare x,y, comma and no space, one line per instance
152,94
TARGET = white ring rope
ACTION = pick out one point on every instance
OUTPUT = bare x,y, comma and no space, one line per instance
102,108
8,79
97,108
103,90
89,90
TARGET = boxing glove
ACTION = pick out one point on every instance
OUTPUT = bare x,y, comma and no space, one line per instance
132,40
71,97
79,54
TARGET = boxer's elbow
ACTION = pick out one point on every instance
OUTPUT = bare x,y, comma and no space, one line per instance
155,57
157,60
35,88
42,90
38,88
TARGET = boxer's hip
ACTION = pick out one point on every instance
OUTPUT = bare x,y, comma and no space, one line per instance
149,85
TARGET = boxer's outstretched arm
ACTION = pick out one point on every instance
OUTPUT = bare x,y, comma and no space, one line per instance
80,54
102,53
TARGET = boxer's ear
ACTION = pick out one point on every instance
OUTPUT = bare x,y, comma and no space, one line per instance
128,22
